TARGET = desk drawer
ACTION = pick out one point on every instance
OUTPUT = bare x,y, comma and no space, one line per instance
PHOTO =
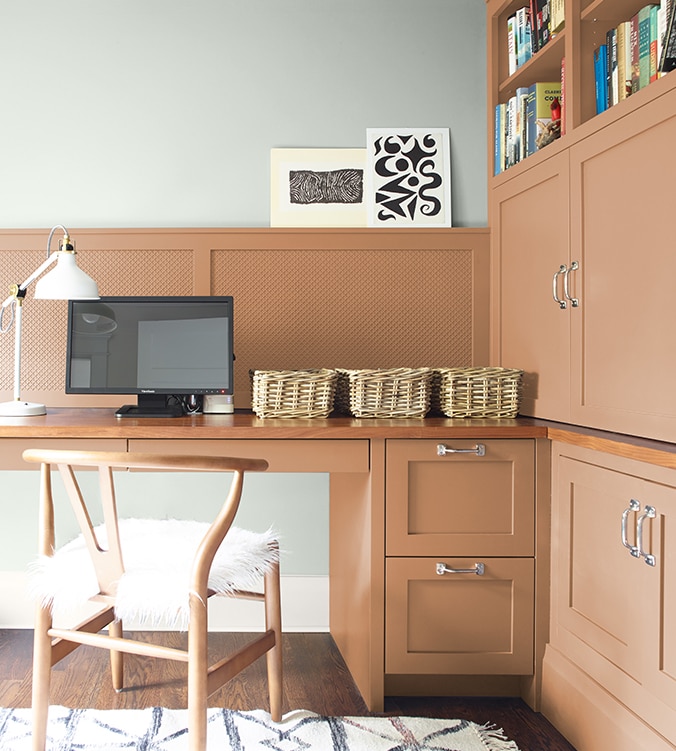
460,503
461,624
12,448
283,455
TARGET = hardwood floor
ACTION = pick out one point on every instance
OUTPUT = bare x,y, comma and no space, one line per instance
315,679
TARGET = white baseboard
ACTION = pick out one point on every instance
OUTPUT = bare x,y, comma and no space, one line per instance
305,606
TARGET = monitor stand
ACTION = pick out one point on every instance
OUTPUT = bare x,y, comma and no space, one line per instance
150,405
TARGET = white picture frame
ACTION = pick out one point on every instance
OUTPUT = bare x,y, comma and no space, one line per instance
318,187
409,177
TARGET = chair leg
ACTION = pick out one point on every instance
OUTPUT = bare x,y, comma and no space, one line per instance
197,674
116,658
42,667
273,621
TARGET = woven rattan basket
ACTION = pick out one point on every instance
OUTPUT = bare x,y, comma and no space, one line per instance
479,392
384,392
293,393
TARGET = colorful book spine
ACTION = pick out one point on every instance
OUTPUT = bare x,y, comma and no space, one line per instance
601,78
511,44
644,46
662,24
653,42
613,79
499,160
633,43
668,57
521,123
523,37
624,60
563,96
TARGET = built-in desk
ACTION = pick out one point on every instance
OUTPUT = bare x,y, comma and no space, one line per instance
352,451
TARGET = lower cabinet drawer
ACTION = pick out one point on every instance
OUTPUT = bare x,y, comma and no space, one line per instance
459,623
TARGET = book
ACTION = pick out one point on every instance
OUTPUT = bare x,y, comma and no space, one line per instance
557,16
499,125
563,96
633,45
539,20
521,123
541,128
523,37
510,133
653,43
511,44
533,15
644,46
662,23
601,78
668,57
624,60
613,79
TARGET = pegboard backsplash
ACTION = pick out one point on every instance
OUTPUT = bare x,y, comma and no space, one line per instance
303,298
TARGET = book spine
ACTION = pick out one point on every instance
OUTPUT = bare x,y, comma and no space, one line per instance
653,43
497,140
613,82
557,18
633,41
521,116
622,34
534,35
543,21
662,25
644,47
668,59
563,96
511,44
601,78
523,48
540,127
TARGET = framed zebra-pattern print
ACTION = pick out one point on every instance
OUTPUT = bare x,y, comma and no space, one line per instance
317,188
408,177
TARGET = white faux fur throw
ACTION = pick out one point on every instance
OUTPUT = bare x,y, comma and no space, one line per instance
157,557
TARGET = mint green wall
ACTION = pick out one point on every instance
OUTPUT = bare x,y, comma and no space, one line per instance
295,505
163,112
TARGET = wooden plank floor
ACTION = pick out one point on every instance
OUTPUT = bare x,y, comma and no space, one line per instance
315,678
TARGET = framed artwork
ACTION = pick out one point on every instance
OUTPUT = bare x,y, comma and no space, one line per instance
317,188
409,177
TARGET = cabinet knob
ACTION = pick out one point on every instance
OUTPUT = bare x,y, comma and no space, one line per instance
478,569
478,450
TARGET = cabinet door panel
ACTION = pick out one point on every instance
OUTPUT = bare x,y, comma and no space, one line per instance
459,623
623,334
460,504
530,242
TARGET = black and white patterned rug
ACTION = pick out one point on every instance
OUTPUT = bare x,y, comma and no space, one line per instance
159,729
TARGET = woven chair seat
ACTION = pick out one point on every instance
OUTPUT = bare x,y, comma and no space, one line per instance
158,557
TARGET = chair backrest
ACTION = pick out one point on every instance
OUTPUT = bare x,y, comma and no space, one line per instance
108,561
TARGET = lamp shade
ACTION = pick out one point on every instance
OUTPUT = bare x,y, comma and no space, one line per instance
66,281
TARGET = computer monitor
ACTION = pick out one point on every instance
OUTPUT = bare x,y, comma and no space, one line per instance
168,351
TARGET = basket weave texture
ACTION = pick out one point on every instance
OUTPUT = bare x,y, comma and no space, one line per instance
384,392
293,393
479,392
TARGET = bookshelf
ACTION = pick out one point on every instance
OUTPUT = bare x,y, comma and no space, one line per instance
586,25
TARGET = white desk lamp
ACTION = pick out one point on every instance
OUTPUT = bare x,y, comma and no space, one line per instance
64,282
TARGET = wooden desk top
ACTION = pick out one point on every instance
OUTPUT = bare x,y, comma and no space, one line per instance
102,423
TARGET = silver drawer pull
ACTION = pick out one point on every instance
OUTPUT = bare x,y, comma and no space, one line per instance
479,450
574,266
634,506
648,513
555,287
478,569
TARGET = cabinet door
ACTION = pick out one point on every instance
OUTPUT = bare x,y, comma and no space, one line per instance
623,333
459,623
530,243
461,503
613,615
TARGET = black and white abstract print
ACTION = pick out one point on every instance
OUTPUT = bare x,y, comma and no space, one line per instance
329,186
410,174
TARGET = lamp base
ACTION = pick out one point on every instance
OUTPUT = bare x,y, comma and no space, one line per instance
18,408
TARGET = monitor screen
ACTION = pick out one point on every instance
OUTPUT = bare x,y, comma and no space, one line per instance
167,350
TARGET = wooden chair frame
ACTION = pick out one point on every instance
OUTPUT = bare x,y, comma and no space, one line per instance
53,644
